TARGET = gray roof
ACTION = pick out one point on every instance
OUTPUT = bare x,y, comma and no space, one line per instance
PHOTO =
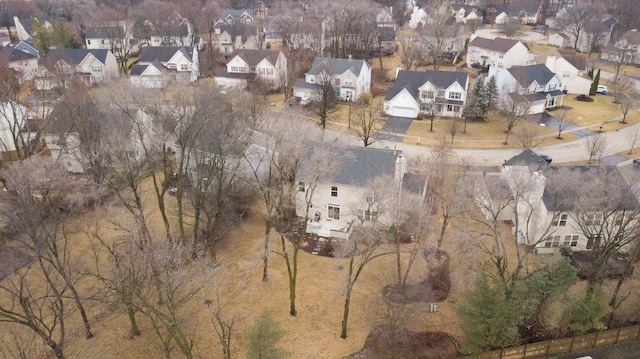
526,158
413,80
28,23
557,198
301,83
11,54
498,44
137,70
163,53
337,66
253,57
543,95
414,183
525,75
104,32
517,9
23,46
75,56
234,13
355,166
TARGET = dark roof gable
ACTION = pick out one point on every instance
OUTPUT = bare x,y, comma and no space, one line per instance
498,44
413,80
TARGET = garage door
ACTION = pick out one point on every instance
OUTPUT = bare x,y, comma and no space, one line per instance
408,112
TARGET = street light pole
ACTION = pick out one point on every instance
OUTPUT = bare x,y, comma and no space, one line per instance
349,103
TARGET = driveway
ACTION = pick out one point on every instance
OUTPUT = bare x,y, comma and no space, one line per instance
522,35
550,121
398,125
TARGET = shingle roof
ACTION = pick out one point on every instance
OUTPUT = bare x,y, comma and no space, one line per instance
164,53
516,9
337,66
11,54
578,61
498,44
234,13
413,80
525,75
414,182
28,23
526,158
355,166
75,56
253,57
468,9
104,32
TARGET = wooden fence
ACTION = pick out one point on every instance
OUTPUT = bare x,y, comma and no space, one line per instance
564,345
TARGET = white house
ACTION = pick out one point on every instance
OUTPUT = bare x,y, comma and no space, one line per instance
237,37
595,34
570,69
465,13
552,219
559,40
425,15
160,65
498,52
24,64
345,194
230,17
527,14
627,46
24,27
101,37
13,118
93,66
413,91
270,66
539,86
350,78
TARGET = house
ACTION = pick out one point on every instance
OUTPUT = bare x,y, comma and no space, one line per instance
425,15
24,27
350,78
499,52
93,66
344,194
559,40
236,37
628,46
536,85
595,35
13,119
414,90
26,47
450,39
552,217
230,17
5,39
104,37
270,66
384,18
570,69
161,65
527,14
465,13
23,63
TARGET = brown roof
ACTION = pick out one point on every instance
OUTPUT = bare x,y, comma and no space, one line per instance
253,57
498,44
578,61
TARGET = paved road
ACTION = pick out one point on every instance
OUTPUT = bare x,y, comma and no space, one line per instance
629,350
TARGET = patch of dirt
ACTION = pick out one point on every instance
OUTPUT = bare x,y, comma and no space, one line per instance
382,344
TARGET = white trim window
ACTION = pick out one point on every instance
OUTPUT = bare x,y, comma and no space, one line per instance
454,95
333,211
560,220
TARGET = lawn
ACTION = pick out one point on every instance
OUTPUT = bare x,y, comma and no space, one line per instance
588,113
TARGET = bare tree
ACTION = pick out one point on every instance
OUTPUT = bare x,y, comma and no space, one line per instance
596,146
324,99
633,136
453,126
563,121
511,28
528,135
222,322
625,92
410,52
440,38
620,57
514,107
368,122
577,18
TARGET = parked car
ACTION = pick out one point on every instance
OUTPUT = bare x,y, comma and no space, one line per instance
636,162
546,158
602,89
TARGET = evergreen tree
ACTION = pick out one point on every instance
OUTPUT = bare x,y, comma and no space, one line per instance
62,36
263,337
588,312
476,104
597,79
491,94
43,39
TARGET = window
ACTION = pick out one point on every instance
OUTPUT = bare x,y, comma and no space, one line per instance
620,219
234,69
88,42
594,219
552,242
312,80
566,74
96,68
301,186
440,93
501,56
269,71
427,94
449,108
334,211
594,241
560,220
348,83
334,191
183,67
261,71
571,240
367,215
455,95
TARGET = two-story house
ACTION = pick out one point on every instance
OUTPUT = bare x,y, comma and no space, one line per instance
414,91
594,35
528,14
24,64
345,193
350,78
92,66
230,17
160,65
499,52
465,13
539,86
626,48
270,66
426,15
570,68
550,217
236,37
104,37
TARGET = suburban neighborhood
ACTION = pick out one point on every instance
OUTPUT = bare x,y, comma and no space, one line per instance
319,179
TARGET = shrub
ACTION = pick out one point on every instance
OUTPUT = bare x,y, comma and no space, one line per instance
584,98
